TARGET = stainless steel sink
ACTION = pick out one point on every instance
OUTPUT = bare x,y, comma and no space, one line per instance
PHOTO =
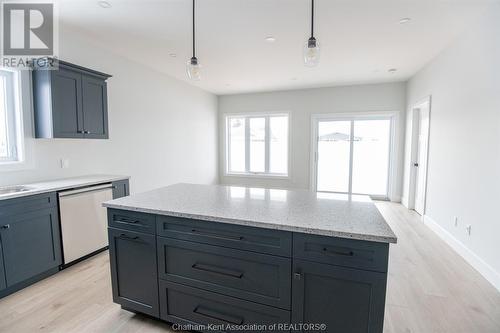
15,189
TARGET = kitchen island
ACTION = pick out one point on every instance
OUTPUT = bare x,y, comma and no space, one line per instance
225,258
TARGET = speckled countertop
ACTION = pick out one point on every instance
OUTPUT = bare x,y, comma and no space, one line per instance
303,211
61,184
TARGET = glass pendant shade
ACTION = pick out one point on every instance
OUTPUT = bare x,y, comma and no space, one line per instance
193,69
311,52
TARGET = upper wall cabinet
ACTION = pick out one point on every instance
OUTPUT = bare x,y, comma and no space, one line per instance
70,102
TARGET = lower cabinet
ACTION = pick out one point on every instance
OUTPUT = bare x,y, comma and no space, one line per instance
31,244
187,305
3,283
344,299
133,270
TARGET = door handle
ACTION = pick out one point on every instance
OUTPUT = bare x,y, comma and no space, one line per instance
415,164
7,226
297,276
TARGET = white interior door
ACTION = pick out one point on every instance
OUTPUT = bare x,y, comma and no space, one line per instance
421,162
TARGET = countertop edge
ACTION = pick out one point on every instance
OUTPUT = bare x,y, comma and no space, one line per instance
112,178
305,230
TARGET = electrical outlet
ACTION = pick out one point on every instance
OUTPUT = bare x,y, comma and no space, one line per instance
468,229
456,221
64,163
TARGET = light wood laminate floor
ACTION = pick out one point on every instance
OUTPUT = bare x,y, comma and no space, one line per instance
430,289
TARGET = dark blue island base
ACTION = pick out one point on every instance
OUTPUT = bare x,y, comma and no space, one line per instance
219,277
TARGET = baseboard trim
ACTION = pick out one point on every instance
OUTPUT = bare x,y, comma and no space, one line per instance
479,264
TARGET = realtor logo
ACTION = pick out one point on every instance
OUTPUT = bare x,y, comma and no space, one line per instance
29,34
28,29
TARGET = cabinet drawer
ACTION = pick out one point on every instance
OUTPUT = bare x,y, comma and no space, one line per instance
228,235
256,277
129,220
342,252
28,203
187,305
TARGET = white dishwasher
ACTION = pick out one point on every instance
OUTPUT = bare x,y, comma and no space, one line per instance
84,220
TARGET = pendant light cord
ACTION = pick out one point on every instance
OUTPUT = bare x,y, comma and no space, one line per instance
193,31
312,18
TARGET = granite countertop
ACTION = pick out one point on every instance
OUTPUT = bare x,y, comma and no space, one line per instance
354,217
61,184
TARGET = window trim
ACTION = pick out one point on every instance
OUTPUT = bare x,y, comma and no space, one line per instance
14,121
227,145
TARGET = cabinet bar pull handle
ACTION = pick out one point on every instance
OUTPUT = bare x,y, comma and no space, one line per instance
215,235
218,270
126,220
218,316
129,237
340,253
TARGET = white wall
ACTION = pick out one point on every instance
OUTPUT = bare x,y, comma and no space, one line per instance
464,151
162,130
302,104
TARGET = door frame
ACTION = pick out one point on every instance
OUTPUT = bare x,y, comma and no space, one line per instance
415,128
370,115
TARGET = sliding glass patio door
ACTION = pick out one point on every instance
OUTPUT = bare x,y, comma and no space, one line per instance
353,155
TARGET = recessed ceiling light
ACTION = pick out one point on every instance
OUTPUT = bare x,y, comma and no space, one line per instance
404,20
104,4
270,39
392,70
173,55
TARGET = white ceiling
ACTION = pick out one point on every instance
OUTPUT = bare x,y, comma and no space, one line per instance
360,39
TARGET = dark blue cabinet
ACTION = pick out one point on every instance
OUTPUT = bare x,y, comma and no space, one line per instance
121,188
30,244
3,283
95,107
345,300
133,270
222,274
30,240
66,103
70,102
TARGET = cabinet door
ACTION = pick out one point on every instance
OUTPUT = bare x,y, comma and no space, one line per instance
133,270
67,104
3,283
120,189
31,244
344,299
95,107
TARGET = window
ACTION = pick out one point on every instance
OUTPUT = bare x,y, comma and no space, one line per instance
257,145
10,118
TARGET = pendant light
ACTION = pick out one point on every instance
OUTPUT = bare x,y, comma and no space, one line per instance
311,49
193,66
